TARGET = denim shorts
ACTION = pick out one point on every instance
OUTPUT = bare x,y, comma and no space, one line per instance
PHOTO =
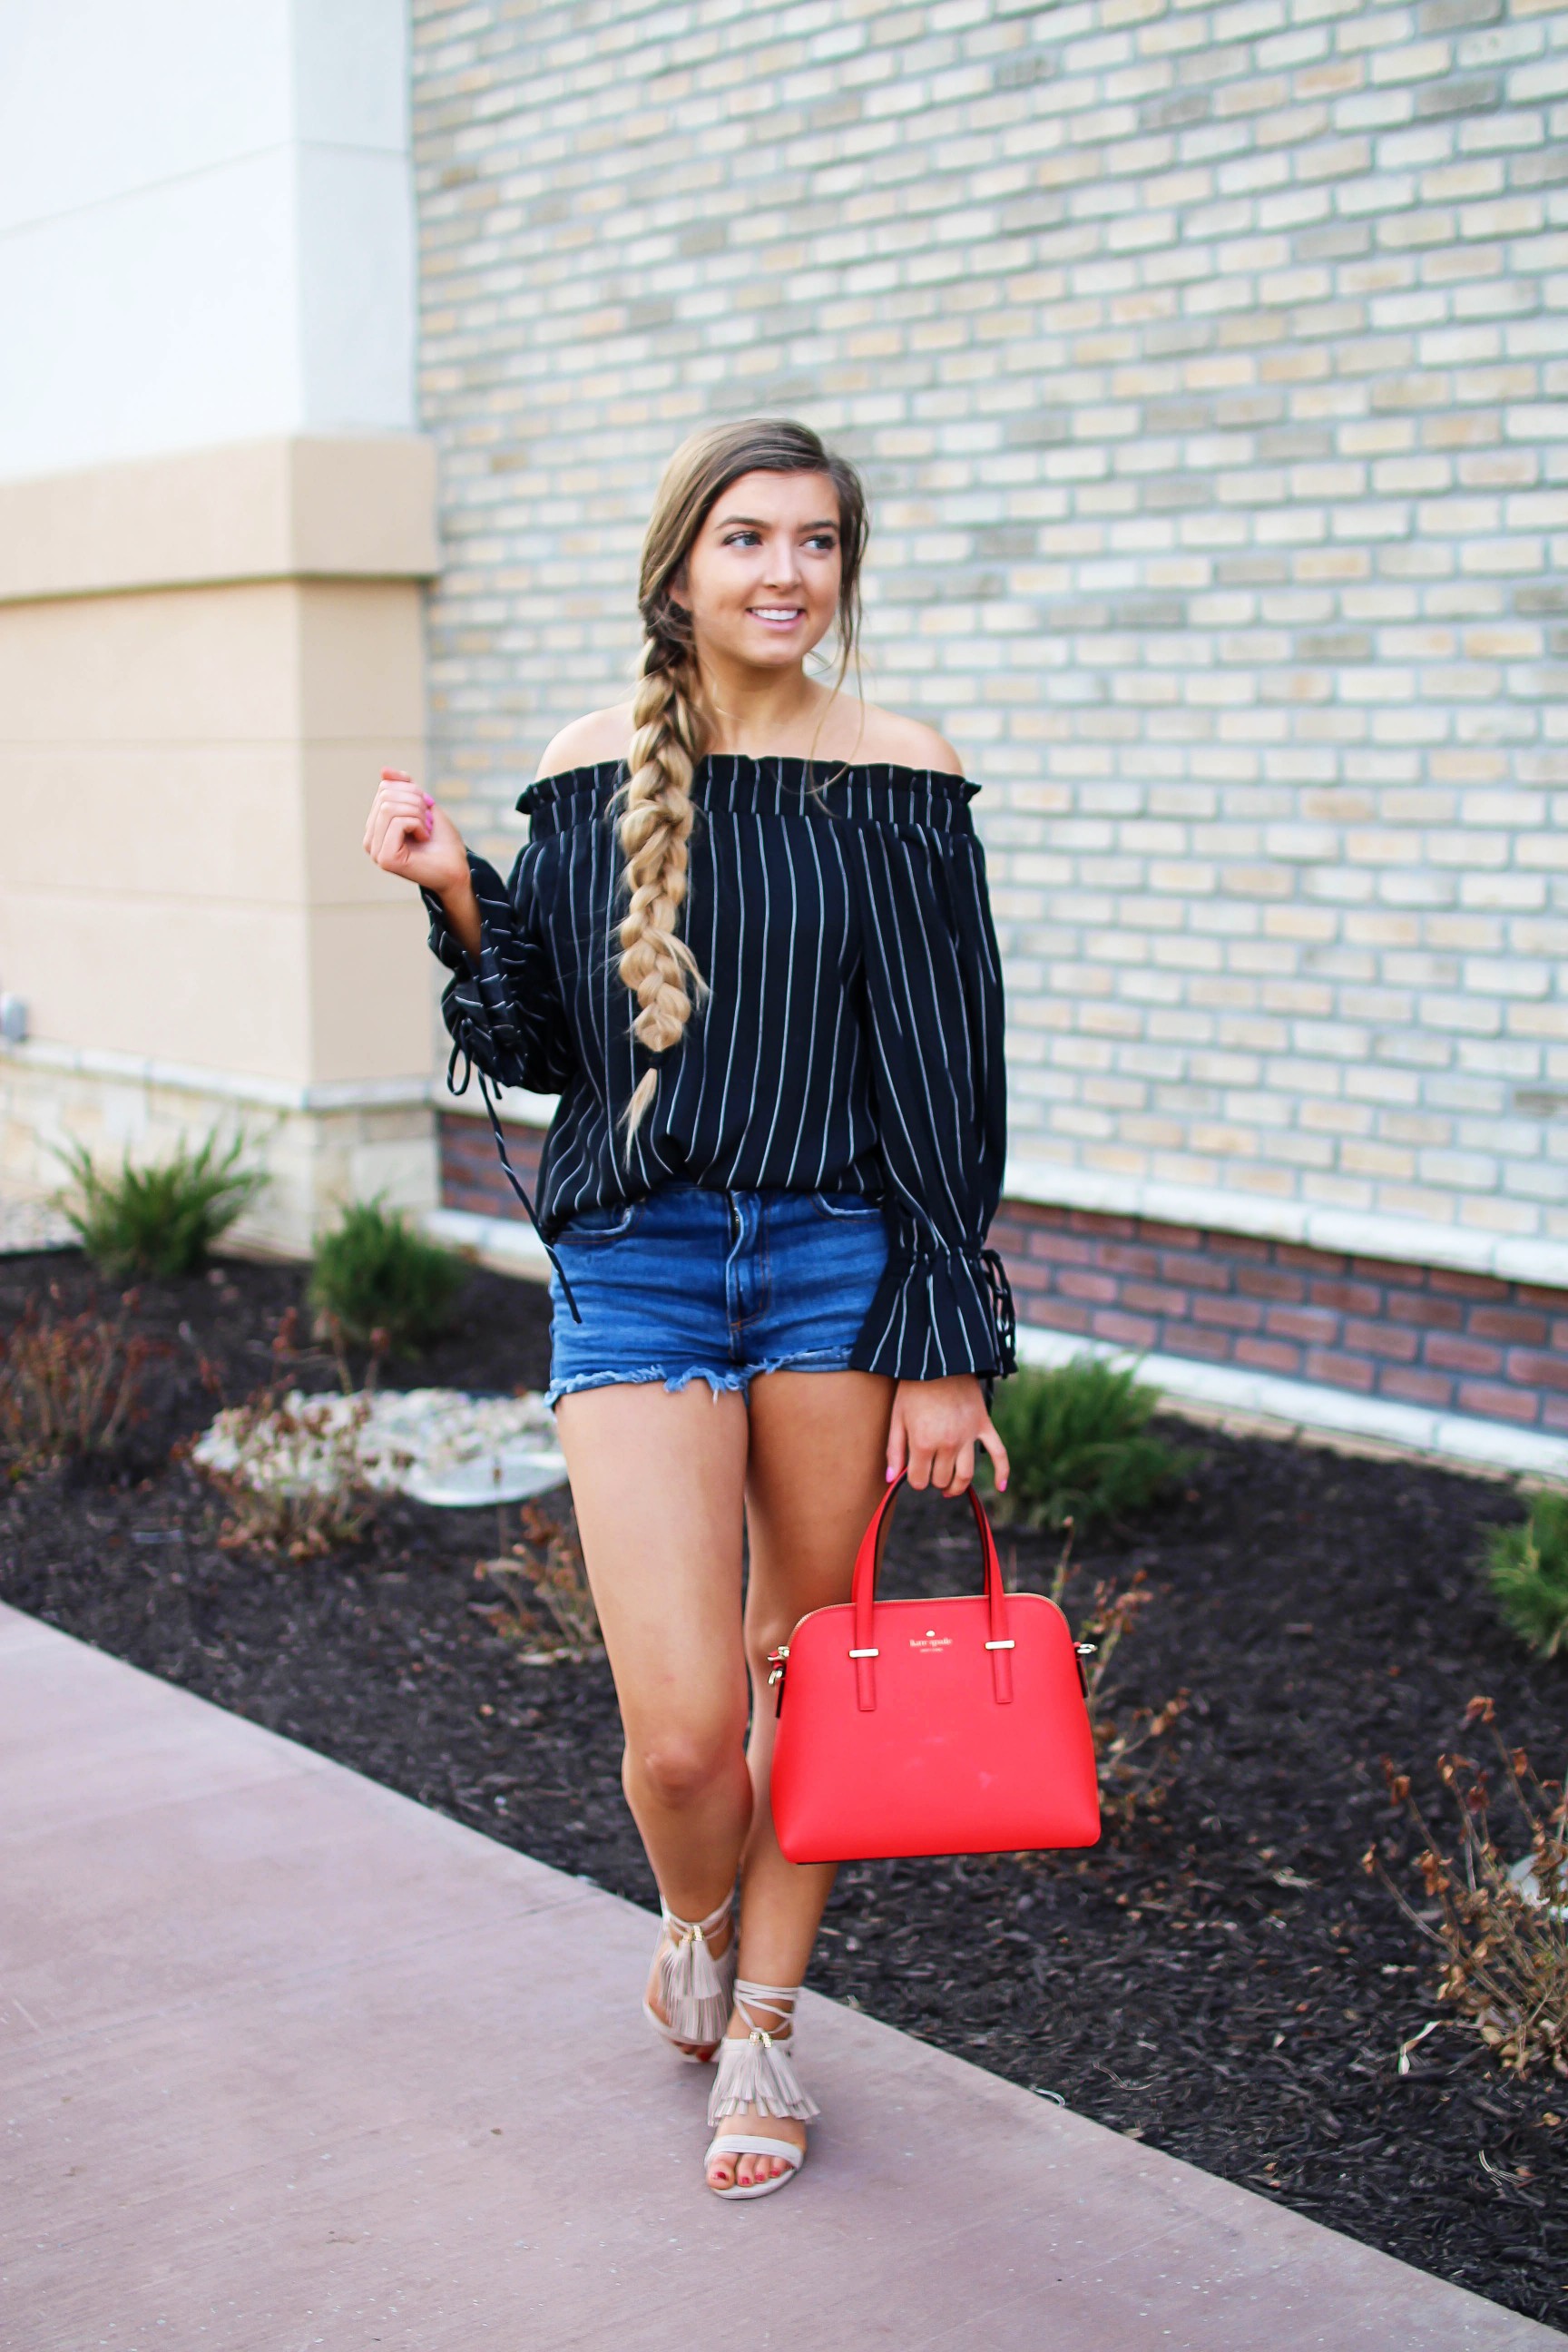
691,1285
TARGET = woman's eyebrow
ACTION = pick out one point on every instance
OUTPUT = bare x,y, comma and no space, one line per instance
758,522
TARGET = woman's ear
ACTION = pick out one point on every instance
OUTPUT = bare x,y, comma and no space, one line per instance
675,587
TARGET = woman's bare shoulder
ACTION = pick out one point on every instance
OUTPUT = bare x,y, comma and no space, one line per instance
885,736
600,735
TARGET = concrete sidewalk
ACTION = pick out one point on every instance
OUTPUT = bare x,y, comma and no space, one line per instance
287,2061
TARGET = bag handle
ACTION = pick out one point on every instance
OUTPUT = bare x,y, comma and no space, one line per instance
868,1565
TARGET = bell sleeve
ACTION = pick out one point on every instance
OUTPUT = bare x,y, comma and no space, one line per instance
503,1007
932,980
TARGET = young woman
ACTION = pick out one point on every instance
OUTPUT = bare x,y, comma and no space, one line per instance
749,945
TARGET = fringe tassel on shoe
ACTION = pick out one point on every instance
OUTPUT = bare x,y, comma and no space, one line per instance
758,2072
694,1988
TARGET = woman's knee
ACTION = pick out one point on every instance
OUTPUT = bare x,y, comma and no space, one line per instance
680,1764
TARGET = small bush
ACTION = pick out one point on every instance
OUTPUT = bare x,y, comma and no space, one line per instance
163,1220
546,1569
1077,1442
68,1388
375,1274
290,1464
296,1486
1527,1568
1501,1927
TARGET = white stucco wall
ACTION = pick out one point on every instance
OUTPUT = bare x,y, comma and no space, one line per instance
205,224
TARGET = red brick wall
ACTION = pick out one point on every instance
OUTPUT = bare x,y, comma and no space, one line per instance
1416,1335
471,1173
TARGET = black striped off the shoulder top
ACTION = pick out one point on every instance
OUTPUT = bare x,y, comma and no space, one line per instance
851,1041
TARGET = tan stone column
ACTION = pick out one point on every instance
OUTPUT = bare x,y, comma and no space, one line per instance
203,661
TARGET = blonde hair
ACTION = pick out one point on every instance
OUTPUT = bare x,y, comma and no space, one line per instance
671,724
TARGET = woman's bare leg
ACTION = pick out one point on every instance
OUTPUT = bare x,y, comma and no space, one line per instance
816,1473
658,1480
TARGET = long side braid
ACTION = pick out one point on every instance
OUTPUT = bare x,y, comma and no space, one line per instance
655,825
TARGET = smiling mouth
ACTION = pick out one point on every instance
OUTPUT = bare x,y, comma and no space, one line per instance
777,611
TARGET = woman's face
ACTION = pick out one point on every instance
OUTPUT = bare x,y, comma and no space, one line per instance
762,579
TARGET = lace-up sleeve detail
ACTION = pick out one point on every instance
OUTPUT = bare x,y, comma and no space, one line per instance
503,1006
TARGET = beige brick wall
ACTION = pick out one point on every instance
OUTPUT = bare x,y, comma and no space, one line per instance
1208,367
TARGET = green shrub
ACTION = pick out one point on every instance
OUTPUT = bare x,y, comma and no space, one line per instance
1078,1441
161,1220
1527,1568
374,1274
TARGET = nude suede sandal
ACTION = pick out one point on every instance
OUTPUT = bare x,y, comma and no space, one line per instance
758,2072
695,1988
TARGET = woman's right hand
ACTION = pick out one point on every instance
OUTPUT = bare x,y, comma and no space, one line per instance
409,835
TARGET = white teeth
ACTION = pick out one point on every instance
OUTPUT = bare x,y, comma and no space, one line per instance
777,611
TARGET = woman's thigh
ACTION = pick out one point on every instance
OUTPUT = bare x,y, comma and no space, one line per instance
818,1470
658,1480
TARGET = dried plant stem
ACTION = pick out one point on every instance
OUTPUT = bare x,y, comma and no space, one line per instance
545,1569
1126,1785
297,1485
1502,1932
69,1387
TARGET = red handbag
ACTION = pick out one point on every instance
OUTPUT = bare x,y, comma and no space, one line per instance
932,1727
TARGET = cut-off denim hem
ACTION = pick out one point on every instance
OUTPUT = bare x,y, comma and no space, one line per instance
722,1383
689,1284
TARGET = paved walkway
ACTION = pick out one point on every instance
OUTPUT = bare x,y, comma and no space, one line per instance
288,2062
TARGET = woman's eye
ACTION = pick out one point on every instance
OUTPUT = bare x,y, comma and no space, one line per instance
823,541
744,539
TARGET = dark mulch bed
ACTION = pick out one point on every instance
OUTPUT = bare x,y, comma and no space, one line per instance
1222,1982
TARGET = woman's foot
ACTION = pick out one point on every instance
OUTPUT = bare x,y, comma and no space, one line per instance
689,1987
757,2096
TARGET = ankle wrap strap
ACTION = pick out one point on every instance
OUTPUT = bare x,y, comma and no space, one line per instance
774,2005
690,1930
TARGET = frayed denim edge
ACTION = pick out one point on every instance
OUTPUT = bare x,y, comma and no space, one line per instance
719,1382
819,1359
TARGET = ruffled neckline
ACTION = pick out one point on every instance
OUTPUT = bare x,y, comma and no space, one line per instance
729,768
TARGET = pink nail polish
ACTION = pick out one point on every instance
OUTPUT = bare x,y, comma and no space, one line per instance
891,1476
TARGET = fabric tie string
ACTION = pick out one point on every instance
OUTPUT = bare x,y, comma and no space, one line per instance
470,1068
1002,1311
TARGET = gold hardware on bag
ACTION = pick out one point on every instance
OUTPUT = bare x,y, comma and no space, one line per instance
778,1659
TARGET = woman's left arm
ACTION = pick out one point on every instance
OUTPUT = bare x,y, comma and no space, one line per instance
942,1321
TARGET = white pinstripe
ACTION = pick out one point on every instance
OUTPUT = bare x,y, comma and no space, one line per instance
887,997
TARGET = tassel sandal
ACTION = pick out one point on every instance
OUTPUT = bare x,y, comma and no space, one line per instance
758,2072
694,1988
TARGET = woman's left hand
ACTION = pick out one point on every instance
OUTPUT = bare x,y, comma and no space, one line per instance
935,1429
